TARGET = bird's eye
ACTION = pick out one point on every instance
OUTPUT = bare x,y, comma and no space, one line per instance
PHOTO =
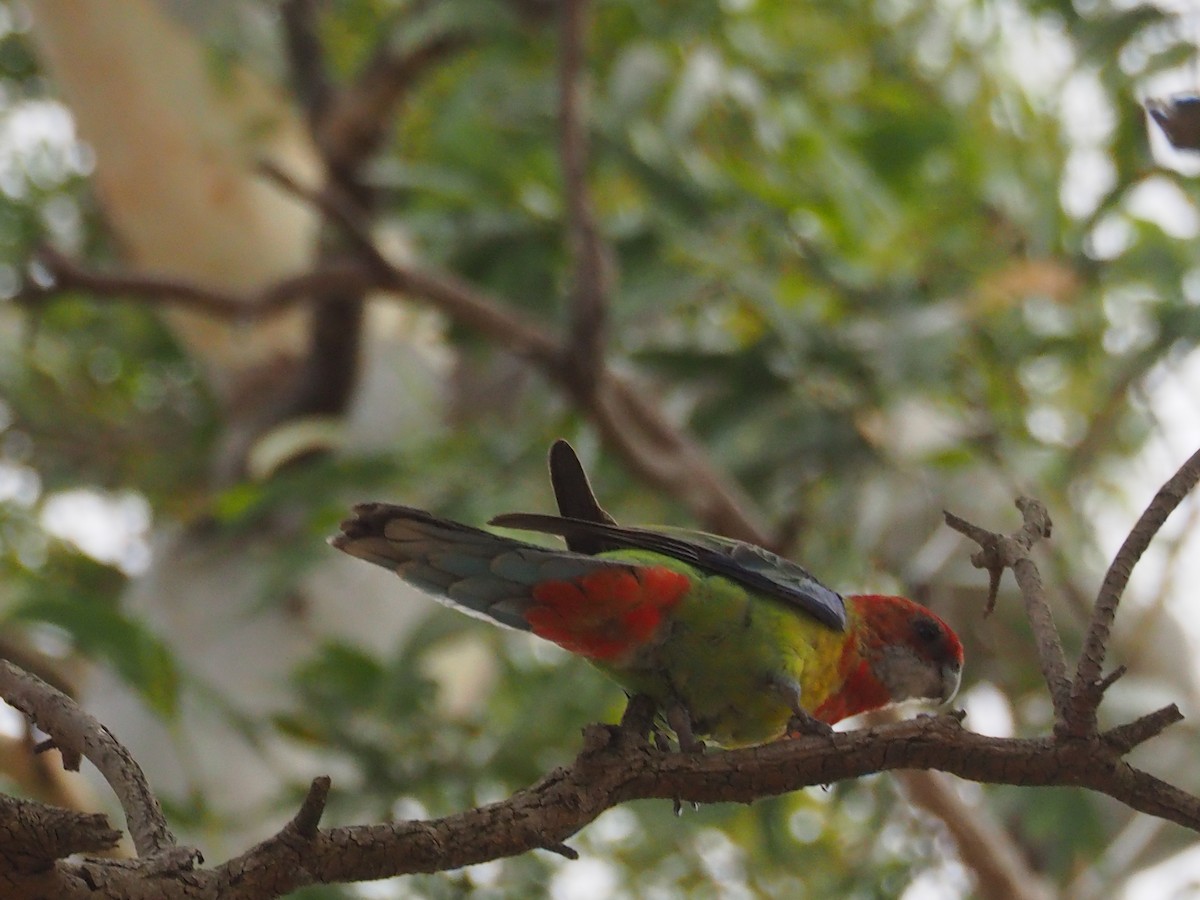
926,629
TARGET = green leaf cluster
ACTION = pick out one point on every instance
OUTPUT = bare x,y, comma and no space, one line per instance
853,261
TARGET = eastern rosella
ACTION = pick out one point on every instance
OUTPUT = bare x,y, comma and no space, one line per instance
731,641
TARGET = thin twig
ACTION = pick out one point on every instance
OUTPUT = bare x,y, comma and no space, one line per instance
360,117
1086,692
1124,738
626,413
148,287
338,208
563,850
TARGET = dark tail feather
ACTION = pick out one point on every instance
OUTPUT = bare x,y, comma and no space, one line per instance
575,497
475,571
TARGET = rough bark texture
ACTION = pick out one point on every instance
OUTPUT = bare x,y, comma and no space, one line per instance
616,765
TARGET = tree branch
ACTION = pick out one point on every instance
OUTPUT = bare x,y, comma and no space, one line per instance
622,409
325,385
77,735
306,58
339,209
617,765
33,836
998,552
592,275
1087,689
361,115
65,275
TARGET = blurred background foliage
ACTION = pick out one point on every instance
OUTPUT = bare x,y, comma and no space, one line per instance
879,258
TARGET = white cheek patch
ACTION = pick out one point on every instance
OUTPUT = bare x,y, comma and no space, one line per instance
906,676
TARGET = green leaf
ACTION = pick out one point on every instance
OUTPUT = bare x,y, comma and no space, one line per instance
137,655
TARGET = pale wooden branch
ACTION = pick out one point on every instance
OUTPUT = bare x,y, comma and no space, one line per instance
78,736
998,552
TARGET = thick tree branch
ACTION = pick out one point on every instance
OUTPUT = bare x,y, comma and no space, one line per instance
33,836
617,765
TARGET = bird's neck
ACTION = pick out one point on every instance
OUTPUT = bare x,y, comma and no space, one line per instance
860,689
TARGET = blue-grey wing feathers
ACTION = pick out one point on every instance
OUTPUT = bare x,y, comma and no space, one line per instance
749,565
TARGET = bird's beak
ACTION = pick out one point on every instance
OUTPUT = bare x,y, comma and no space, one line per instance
951,678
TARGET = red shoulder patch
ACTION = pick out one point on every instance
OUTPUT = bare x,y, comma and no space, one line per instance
606,613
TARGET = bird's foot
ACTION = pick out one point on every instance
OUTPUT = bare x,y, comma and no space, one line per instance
681,723
801,724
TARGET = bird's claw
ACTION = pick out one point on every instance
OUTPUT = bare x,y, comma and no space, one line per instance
681,723
801,724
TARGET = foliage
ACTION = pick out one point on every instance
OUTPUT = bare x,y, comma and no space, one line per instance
856,258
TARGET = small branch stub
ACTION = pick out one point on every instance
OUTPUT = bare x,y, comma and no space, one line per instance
308,817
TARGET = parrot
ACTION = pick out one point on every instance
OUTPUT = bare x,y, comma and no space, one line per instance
731,642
